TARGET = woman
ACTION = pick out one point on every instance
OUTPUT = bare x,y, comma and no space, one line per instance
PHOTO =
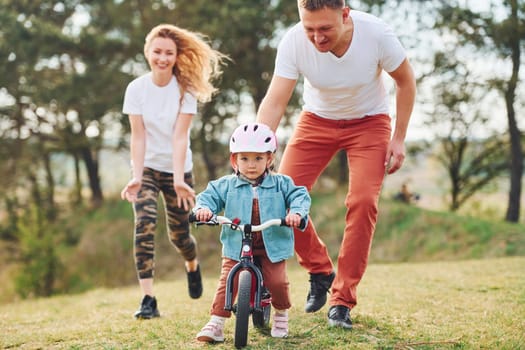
161,105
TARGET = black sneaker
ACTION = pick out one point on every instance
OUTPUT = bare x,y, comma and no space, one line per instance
339,316
148,308
319,285
195,283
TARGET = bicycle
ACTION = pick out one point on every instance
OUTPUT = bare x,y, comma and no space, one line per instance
252,296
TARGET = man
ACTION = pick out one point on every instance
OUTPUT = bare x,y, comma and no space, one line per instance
341,54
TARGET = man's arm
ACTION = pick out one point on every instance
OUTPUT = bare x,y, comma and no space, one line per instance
405,98
275,101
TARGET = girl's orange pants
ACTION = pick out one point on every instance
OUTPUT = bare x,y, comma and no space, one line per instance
315,141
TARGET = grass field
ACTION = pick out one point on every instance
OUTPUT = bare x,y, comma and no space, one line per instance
473,304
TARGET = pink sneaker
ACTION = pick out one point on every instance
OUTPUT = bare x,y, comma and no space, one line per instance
210,333
280,325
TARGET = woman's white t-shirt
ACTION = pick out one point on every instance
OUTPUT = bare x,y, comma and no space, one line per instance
159,107
346,87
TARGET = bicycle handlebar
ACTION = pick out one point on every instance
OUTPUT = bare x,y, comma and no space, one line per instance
235,224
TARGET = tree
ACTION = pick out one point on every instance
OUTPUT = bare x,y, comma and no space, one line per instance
246,32
471,161
502,37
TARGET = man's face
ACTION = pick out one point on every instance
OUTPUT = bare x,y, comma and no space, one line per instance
325,27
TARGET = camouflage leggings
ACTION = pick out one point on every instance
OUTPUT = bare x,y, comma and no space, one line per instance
145,210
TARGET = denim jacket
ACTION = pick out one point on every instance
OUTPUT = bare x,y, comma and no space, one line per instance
276,194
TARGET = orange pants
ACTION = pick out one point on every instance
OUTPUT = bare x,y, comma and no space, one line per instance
313,144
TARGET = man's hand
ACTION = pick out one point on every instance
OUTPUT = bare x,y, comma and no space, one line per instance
395,156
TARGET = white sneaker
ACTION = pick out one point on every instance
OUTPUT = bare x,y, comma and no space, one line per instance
212,332
280,325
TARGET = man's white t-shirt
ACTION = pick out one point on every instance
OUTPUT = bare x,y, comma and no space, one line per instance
159,108
346,87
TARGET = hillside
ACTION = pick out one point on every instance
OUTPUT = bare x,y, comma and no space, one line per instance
472,304
102,242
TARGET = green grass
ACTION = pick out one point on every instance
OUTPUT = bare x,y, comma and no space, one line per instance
436,280
472,304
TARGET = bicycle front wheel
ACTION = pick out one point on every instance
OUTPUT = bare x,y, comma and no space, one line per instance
243,309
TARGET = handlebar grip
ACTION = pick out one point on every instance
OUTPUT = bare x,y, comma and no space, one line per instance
192,218
302,224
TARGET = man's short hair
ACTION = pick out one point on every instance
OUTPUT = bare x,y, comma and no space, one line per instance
313,5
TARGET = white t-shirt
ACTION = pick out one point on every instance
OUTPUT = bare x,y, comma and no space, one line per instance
346,87
159,108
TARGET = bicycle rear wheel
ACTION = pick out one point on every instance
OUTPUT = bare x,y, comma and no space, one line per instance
243,309
261,318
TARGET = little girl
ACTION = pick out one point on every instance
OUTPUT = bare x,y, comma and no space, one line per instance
254,194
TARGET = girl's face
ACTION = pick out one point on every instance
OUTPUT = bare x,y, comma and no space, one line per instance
162,55
252,164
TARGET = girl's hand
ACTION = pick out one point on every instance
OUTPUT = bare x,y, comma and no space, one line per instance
185,195
131,190
293,220
203,214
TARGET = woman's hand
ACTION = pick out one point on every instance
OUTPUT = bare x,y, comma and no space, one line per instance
131,190
185,195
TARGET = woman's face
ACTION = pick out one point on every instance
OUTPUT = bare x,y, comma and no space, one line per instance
162,55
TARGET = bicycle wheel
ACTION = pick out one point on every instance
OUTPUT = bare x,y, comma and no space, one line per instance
261,318
243,309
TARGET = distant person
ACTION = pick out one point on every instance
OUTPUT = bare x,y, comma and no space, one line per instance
405,195
341,53
254,195
161,105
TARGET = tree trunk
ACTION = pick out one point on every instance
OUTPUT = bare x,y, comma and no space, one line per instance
77,190
91,162
51,211
516,155
516,167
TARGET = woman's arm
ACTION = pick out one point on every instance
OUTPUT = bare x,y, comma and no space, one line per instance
137,152
185,194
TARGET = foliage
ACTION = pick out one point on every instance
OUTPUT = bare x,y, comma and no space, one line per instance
39,257
248,35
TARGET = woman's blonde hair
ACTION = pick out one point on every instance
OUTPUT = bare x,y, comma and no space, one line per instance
197,63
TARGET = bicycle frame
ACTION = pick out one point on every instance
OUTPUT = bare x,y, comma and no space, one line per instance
249,298
246,263
246,259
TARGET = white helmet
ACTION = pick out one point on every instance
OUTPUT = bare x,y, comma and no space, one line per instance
253,137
